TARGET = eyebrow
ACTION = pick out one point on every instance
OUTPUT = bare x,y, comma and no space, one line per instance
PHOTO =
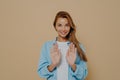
65,24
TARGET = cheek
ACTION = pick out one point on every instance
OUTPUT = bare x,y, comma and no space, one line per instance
68,29
57,28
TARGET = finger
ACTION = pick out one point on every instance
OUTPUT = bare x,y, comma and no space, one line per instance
68,52
59,52
51,50
56,46
72,47
53,46
75,50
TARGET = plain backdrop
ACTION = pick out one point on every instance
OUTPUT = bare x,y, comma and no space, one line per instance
26,24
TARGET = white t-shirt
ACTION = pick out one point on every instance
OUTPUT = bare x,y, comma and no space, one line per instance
62,69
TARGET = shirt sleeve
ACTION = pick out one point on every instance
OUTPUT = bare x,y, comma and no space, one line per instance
81,67
43,64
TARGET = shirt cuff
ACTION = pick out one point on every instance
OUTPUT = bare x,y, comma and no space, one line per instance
78,72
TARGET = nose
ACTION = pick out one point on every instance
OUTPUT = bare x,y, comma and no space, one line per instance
63,28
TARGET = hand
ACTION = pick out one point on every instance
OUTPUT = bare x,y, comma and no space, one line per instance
71,54
55,55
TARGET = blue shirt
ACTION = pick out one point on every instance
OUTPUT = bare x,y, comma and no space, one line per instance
45,60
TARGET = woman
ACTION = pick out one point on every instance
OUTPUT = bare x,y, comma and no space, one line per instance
63,58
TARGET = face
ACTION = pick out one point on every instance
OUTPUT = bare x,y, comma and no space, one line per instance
62,27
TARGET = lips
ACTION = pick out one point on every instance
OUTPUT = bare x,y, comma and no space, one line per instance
63,33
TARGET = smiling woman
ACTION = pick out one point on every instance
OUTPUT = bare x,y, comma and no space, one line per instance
63,28
63,58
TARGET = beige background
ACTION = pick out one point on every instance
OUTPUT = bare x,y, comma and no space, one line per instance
26,24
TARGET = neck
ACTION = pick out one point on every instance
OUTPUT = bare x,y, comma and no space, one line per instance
61,39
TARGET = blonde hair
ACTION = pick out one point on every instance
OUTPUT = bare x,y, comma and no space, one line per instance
71,36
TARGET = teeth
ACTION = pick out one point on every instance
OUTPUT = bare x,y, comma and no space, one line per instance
63,33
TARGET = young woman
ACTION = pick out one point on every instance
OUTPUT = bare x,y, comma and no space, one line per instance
63,58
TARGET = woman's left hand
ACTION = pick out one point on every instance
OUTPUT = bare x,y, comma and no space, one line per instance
71,54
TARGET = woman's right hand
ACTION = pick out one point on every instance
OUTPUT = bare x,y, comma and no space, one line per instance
55,55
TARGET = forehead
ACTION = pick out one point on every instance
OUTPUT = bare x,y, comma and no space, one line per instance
62,20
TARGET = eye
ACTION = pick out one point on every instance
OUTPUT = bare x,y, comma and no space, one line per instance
59,25
67,25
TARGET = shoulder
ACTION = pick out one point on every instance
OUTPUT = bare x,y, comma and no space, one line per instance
46,46
48,43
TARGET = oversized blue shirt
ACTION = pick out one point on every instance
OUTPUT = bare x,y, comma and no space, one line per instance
45,60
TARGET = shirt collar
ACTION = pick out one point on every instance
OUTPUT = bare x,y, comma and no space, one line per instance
55,40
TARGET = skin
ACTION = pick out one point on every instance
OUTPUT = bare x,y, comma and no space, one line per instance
62,27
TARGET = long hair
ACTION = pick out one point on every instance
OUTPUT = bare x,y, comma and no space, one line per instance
71,36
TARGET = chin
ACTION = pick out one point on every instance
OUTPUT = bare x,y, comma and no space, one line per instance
63,36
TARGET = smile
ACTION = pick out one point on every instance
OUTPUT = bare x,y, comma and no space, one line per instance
63,33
